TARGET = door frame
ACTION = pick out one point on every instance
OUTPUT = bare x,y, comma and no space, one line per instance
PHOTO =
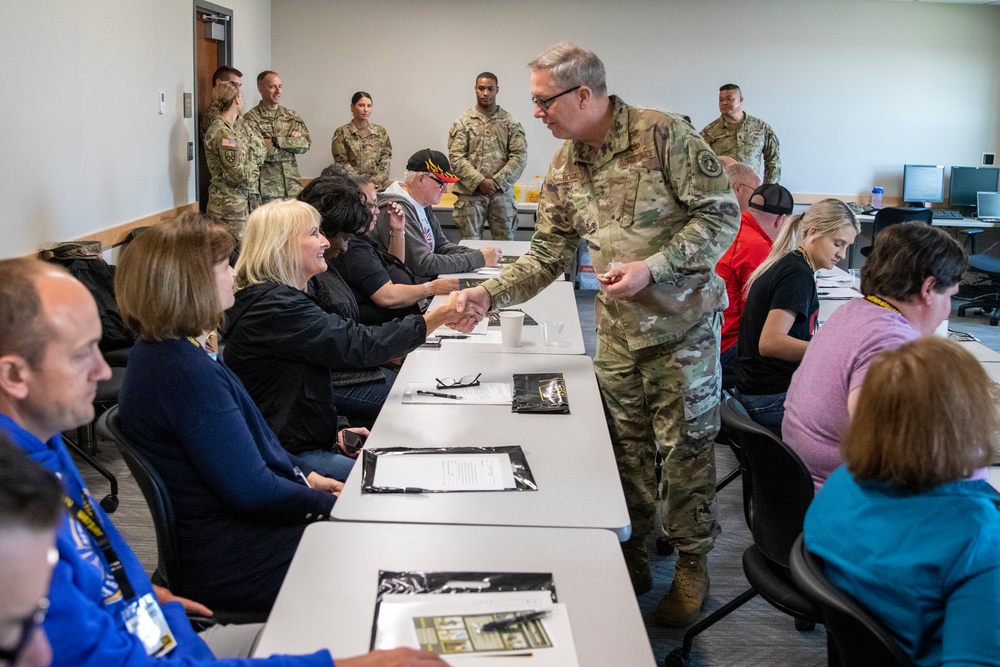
225,58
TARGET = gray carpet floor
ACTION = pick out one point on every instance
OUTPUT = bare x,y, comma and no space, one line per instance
755,634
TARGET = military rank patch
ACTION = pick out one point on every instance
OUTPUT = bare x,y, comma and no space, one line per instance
230,156
709,164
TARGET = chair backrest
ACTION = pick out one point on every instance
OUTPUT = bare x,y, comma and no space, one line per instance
154,490
860,640
777,487
894,215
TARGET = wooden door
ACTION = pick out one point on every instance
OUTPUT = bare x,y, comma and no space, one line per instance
209,54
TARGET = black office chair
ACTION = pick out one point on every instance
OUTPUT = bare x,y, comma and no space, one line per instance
854,638
886,217
777,490
169,573
988,303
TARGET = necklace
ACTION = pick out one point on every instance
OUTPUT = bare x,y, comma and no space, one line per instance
882,302
802,252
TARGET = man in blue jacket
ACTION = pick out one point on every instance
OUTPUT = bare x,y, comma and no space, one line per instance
103,609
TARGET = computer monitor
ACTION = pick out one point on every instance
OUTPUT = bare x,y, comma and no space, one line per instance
923,184
988,206
967,181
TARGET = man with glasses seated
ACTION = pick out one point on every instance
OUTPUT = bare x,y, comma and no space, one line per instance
429,253
30,511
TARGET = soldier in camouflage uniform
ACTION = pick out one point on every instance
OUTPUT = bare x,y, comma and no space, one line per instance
642,188
488,151
746,139
223,73
234,154
284,134
362,147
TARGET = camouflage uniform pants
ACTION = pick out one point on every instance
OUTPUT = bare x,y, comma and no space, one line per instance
473,212
667,393
233,212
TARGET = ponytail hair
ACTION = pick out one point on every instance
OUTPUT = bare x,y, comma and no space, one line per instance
825,217
224,94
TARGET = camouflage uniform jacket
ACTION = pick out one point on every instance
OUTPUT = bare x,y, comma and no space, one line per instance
654,191
482,146
279,175
369,156
234,154
749,142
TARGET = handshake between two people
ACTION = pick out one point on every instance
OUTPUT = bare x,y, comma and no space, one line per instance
466,308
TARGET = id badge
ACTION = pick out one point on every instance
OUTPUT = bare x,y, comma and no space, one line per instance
144,619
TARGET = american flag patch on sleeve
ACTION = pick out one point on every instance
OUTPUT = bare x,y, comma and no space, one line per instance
228,143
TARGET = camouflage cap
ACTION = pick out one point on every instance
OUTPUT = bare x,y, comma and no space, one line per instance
432,162
772,198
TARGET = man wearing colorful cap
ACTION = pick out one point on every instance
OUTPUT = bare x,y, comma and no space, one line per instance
428,251
759,226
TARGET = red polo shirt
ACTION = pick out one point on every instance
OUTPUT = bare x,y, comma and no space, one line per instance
749,250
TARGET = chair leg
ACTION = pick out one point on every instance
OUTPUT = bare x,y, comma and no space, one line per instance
727,479
110,501
679,657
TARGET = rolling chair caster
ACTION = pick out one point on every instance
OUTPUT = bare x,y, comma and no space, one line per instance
676,658
109,503
663,546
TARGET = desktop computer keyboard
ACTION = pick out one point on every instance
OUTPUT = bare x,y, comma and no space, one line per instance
941,214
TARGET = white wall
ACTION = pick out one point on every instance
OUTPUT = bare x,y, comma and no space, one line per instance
854,89
85,149
83,144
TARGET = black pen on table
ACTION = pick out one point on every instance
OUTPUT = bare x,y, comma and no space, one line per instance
504,623
439,394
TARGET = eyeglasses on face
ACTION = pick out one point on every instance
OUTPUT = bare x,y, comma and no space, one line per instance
28,626
544,104
458,383
441,184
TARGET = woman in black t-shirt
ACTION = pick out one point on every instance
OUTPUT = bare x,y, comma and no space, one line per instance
781,307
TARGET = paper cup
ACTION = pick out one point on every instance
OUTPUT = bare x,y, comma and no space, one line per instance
511,323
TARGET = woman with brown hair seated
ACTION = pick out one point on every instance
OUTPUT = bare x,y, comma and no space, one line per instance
241,500
901,527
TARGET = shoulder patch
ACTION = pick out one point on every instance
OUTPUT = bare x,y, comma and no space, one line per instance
230,156
228,143
709,164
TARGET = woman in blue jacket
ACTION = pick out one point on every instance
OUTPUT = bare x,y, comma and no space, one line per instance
241,500
900,527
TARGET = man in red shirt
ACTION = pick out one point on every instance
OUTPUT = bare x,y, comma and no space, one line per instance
759,226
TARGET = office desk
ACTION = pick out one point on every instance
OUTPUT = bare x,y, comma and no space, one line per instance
941,222
570,456
556,302
328,597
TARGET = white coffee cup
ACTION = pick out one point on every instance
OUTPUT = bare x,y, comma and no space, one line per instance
511,324
550,332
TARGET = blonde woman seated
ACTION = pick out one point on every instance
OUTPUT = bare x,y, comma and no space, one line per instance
286,348
779,316
899,527
241,500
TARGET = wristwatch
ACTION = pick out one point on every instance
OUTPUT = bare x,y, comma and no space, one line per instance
430,288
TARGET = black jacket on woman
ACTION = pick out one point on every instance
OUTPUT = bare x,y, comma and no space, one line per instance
285,349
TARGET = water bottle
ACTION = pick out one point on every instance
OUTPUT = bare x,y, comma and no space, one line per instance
877,197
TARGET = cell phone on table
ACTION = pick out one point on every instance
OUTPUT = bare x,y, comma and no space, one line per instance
353,442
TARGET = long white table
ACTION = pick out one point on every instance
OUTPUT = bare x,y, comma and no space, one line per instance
555,302
328,597
570,456
506,247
